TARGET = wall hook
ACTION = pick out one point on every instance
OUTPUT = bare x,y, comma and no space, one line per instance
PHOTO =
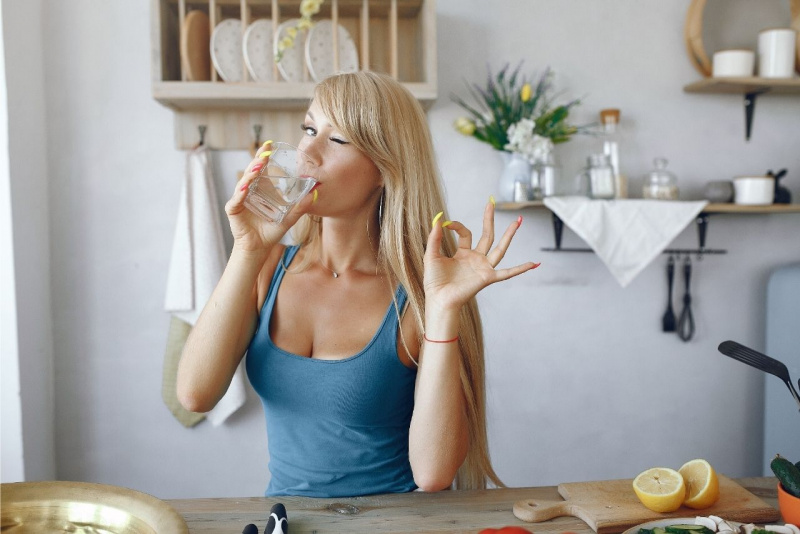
257,131
202,130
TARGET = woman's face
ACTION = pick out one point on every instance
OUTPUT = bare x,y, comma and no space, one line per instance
349,181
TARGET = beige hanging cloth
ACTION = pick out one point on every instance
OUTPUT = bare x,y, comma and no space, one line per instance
197,262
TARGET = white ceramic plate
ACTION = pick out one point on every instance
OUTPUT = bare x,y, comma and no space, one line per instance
226,50
257,50
319,51
291,64
668,522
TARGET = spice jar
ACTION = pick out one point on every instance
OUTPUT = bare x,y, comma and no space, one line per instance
660,184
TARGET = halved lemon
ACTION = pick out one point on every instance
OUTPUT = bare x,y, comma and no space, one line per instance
660,489
702,484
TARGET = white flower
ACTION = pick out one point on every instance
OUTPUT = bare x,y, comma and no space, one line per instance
523,140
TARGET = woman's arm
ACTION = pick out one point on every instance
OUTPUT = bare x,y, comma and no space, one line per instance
228,321
439,434
221,335
438,438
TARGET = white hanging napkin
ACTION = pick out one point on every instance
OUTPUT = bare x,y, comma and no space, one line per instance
198,260
626,234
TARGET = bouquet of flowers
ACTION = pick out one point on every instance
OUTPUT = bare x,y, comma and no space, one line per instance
308,8
512,114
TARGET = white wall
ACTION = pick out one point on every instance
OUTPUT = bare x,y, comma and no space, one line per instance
581,382
28,163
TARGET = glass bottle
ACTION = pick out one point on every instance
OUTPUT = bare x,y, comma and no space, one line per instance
660,184
610,121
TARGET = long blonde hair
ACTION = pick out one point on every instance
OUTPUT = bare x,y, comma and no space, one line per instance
383,120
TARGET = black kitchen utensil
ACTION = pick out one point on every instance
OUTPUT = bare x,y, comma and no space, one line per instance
782,194
668,321
686,320
278,522
760,361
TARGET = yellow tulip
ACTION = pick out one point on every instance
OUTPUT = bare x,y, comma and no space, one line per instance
525,93
465,126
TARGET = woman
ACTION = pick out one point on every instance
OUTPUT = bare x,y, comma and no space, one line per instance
351,411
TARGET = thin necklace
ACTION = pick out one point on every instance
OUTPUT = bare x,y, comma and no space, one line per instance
335,274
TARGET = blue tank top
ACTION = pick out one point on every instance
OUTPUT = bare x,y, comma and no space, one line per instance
335,428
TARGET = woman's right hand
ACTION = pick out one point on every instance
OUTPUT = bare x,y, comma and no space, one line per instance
252,233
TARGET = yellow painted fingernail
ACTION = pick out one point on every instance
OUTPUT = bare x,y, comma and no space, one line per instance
438,216
265,154
446,224
491,199
315,197
266,143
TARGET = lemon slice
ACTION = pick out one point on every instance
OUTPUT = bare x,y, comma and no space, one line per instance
660,489
702,484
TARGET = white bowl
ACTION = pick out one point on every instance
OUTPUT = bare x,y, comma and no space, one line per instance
753,190
733,63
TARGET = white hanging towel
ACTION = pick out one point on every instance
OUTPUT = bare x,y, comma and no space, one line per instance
197,262
626,234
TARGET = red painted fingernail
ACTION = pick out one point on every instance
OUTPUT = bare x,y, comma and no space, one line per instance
535,265
257,167
245,186
519,221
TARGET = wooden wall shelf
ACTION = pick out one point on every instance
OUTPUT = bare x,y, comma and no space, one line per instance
702,222
397,37
744,85
711,208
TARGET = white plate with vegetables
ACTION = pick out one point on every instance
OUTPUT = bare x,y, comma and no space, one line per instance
707,525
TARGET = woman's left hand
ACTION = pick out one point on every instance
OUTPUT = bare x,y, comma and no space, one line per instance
451,282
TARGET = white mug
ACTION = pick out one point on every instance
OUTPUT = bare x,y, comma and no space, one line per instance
733,63
776,51
753,190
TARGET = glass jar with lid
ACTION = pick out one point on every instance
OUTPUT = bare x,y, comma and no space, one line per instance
660,184
597,179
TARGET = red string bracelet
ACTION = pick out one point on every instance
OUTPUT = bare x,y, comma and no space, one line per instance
435,341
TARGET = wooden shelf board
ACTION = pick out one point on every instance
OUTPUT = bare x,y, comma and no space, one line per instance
711,208
184,96
744,85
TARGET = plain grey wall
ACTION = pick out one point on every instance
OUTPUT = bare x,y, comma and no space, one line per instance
582,384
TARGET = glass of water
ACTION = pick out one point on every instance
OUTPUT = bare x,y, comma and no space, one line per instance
287,177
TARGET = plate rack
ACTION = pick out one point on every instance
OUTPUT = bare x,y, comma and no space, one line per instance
397,37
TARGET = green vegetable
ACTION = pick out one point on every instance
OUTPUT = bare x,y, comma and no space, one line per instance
763,531
787,473
645,531
688,529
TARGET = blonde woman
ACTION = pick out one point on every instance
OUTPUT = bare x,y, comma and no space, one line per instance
363,340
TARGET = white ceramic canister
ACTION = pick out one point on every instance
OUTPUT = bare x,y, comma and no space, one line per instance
733,63
776,53
754,190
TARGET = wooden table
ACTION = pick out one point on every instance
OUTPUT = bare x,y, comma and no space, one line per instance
446,511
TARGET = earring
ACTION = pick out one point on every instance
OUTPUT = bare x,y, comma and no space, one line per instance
380,207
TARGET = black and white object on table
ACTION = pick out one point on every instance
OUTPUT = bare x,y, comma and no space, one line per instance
278,522
250,529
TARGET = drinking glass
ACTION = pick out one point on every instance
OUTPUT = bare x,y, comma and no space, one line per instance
287,177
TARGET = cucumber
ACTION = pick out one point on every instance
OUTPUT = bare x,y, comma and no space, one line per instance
787,473
659,530
645,531
688,529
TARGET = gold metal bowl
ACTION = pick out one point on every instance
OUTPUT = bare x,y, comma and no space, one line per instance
84,508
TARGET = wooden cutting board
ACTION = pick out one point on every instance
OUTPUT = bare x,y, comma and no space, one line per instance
611,506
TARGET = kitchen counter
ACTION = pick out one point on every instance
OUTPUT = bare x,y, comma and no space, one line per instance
445,511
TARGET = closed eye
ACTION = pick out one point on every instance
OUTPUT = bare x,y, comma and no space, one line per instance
312,132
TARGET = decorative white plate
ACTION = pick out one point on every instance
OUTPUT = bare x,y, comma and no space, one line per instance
291,64
669,522
319,51
226,50
257,50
